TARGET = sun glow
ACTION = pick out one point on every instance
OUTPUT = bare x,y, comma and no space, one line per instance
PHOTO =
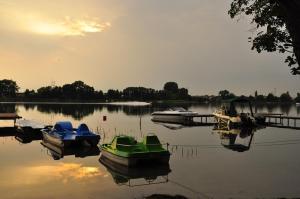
68,27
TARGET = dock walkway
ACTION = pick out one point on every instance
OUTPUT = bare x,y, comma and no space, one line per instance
282,121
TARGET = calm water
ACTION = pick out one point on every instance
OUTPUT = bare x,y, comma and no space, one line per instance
200,166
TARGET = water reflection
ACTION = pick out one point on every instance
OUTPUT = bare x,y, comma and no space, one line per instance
165,196
131,176
43,174
58,153
7,131
230,138
8,108
28,136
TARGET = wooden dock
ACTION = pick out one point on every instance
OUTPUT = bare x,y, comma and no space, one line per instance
282,121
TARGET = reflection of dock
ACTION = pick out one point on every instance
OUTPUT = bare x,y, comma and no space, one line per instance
10,116
280,121
204,119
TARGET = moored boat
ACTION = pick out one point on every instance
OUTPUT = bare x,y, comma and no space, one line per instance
63,135
174,115
125,150
227,115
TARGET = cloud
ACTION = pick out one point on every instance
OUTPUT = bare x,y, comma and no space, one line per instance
67,27
17,20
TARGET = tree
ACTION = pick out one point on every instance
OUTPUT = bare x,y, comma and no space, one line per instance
277,26
225,94
113,94
271,98
297,99
285,97
171,87
8,88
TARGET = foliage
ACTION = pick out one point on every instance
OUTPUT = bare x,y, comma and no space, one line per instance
297,99
225,94
271,33
285,97
171,87
8,88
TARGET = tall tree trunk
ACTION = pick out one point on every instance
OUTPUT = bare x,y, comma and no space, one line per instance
291,10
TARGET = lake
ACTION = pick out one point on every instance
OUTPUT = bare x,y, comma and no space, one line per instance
265,163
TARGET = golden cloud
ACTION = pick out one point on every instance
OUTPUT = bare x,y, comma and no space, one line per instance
67,27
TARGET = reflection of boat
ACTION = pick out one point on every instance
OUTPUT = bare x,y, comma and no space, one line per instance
63,135
230,138
29,126
59,152
28,137
172,126
124,175
227,115
177,115
127,151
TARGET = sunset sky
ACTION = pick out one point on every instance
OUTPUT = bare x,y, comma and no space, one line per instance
120,43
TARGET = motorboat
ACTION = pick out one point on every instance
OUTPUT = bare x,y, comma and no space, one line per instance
63,135
227,115
174,115
125,150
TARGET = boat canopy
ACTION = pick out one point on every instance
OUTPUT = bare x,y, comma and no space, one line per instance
230,104
63,126
180,109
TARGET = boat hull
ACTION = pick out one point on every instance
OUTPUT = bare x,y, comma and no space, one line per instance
77,140
138,159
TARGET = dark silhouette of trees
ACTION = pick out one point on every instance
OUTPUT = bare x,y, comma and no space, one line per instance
277,26
297,99
139,93
171,87
225,94
271,98
113,94
172,91
285,97
8,88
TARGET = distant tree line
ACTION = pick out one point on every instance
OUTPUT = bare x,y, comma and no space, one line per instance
257,98
79,91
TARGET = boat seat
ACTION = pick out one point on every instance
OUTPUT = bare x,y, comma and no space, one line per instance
152,142
82,129
63,126
124,143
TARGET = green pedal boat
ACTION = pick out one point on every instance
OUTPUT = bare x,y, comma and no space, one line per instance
125,150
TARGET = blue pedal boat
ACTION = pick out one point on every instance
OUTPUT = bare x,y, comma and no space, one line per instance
64,135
